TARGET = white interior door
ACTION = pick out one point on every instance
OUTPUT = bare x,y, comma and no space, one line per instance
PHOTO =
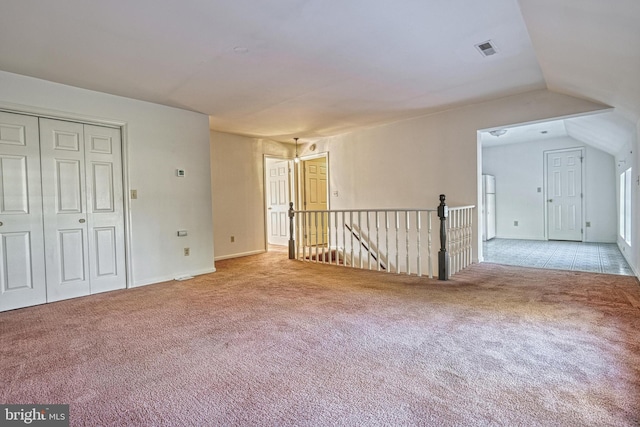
105,208
564,194
278,202
65,209
22,269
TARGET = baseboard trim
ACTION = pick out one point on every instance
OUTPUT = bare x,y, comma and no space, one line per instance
172,277
238,255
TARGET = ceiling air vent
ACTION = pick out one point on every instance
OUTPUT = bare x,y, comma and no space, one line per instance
487,48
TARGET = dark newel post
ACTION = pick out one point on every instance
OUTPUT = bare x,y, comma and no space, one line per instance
292,242
443,256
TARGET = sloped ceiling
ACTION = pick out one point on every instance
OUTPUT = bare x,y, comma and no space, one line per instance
588,49
608,132
309,68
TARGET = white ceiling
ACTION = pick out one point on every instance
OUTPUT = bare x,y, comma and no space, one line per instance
608,132
308,68
525,133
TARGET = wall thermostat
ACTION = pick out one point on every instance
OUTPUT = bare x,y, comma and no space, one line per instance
180,172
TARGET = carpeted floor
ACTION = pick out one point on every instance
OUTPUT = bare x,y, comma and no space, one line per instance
266,341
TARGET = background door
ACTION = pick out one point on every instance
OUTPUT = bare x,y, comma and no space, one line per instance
22,271
564,194
278,173
315,198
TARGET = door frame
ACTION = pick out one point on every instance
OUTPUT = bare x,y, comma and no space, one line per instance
48,113
302,185
265,186
545,183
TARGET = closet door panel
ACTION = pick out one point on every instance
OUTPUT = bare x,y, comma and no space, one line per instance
106,208
65,209
22,267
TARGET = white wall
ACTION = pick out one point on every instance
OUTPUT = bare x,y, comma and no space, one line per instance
237,181
519,172
634,257
629,157
409,163
159,139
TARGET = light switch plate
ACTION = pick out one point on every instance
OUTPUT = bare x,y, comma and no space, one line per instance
180,172
134,194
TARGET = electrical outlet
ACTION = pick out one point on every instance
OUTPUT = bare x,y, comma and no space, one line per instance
515,223
233,239
187,252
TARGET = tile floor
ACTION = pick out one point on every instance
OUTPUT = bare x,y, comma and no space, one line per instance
555,255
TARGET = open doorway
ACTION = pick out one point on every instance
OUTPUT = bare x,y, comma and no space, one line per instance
278,194
306,184
554,182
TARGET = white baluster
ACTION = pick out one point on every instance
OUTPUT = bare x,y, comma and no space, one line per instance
386,237
454,241
328,250
397,242
418,227
315,216
470,237
378,239
429,226
344,240
360,240
336,221
323,241
406,219
368,243
353,264
307,236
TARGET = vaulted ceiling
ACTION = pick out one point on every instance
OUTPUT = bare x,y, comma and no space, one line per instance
309,68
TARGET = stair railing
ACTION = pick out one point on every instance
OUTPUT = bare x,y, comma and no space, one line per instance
390,240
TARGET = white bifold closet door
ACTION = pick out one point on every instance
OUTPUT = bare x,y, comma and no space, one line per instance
69,190
83,212
22,273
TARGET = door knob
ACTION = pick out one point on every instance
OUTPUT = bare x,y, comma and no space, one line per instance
82,221
550,200
1,224
269,208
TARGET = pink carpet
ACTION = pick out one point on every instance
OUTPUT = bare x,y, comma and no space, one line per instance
268,341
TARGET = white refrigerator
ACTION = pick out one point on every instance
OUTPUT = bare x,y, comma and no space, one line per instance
488,207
